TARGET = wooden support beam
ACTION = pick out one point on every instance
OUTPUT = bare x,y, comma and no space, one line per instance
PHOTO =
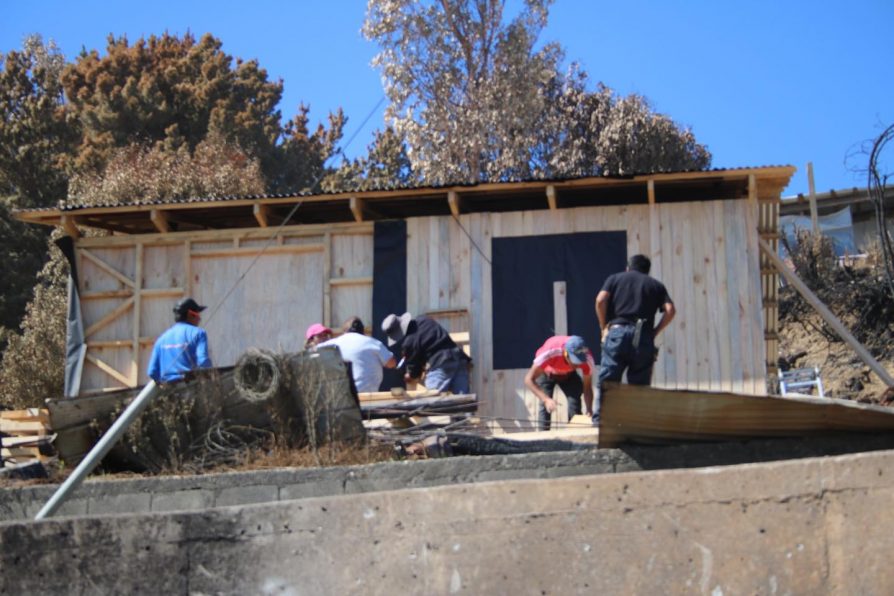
351,281
109,317
826,314
357,208
814,214
262,214
650,191
108,369
70,225
159,219
752,190
552,197
106,267
454,201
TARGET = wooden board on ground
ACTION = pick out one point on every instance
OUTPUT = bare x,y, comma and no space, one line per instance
576,434
633,413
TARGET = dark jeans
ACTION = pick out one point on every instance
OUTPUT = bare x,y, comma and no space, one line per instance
619,354
572,387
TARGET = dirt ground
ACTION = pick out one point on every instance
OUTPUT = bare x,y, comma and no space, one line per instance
806,341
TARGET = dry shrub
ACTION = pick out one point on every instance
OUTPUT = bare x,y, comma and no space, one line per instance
33,364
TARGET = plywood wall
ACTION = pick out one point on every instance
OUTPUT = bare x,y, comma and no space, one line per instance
706,253
129,284
702,251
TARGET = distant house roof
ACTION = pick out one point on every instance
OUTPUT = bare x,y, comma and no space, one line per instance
142,217
857,198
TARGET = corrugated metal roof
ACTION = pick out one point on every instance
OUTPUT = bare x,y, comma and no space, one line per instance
74,205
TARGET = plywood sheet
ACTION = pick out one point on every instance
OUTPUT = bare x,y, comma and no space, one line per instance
633,413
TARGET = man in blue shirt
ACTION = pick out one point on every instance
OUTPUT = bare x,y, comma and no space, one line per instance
183,347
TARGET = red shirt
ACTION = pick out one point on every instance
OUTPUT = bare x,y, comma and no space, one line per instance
550,357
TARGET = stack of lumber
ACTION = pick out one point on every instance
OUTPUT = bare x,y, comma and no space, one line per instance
388,414
26,437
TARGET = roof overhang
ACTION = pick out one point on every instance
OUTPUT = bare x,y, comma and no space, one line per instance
264,211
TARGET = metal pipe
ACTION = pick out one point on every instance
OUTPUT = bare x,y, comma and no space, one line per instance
99,451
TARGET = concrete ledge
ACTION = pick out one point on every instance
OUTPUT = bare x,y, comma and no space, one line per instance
814,526
192,493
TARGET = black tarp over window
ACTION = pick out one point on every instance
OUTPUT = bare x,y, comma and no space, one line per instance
523,272
389,283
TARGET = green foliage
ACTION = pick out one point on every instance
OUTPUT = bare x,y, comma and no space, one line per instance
477,99
386,165
35,133
33,364
172,92
22,253
301,156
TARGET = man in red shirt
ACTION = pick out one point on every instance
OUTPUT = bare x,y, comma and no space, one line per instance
556,363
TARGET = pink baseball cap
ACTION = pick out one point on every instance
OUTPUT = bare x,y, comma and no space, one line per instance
316,329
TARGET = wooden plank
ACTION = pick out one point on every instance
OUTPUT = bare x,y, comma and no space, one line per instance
252,251
577,435
28,414
827,315
648,414
650,191
27,441
351,281
22,426
109,317
106,267
560,308
732,213
109,370
721,300
104,295
137,315
671,343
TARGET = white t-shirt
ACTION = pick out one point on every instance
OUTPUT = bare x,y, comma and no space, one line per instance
367,356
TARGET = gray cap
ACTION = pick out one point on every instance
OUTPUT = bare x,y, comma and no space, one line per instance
395,327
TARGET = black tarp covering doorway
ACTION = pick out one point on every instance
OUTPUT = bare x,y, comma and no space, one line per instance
389,284
523,272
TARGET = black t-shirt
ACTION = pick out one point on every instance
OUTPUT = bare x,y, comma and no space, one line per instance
634,295
427,341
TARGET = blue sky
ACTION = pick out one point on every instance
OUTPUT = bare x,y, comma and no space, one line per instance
759,82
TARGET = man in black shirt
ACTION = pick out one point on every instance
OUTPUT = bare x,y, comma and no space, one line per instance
626,306
424,341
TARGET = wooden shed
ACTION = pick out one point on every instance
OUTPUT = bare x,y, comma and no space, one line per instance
511,263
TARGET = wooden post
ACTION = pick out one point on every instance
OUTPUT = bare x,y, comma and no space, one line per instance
560,308
814,215
826,314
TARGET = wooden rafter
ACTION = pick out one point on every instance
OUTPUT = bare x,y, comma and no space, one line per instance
552,197
357,205
650,191
70,225
159,219
455,203
262,214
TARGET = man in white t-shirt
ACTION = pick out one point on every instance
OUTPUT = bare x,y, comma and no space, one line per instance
367,355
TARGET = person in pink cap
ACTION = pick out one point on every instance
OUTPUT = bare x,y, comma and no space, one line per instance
315,334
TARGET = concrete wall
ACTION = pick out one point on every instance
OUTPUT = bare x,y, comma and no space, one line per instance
814,526
192,493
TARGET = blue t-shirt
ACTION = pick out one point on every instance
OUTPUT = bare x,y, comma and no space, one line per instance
178,350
